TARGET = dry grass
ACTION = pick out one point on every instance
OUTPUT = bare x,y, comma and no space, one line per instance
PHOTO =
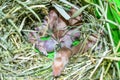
18,60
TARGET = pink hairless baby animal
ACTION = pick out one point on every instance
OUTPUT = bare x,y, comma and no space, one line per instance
46,46
69,37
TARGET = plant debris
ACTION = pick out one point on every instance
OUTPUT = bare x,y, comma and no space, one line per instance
28,25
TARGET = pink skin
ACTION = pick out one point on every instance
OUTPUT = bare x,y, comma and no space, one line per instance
43,46
46,46
74,33
73,21
52,18
60,60
32,37
40,47
59,27
50,45
59,64
66,41
69,38
62,56
60,24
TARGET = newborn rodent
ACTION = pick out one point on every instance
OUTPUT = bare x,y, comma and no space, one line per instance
61,59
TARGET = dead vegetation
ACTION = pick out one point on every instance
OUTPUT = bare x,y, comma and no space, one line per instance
19,61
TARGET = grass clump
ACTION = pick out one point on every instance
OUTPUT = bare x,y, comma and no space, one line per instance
19,61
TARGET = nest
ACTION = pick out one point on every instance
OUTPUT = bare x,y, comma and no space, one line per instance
18,59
